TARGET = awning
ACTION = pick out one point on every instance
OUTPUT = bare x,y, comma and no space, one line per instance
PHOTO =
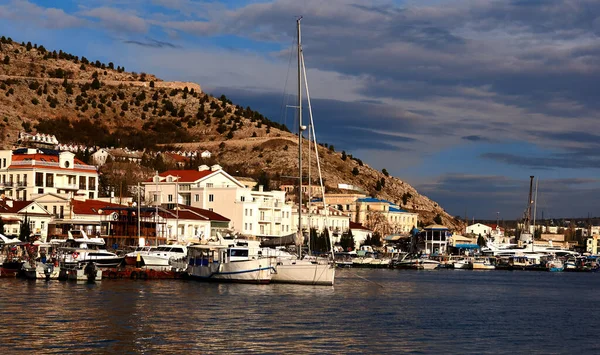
467,246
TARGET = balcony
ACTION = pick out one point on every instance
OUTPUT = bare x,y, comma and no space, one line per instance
66,186
277,219
21,184
51,164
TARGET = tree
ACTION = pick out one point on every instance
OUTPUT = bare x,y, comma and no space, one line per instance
6,60
378,186
405,197
481,241
25,229
263,180
96,84
385,172
355,171
347,241
438,219
151,83
344,157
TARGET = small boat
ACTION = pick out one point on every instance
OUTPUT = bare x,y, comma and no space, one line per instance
290,269
10,263
483,264
555,265
81,272
570,265
131,257
413,262
463,264
224,263
164,256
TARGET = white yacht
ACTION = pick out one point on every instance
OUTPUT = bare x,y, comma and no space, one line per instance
307,271
483,264
227,263
78,249
408,261
463,263
164,255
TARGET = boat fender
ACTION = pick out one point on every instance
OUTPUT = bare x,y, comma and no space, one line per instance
134,275
75,255
143,275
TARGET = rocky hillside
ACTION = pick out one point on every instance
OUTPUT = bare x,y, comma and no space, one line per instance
85,101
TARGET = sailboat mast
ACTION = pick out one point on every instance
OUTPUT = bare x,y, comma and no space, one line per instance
534,212
299,135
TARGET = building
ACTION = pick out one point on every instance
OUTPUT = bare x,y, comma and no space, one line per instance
368,209
337,222
479,229
359,233
119,154
186,223
175,159
14,213
252,212
435,238
27,172
205,154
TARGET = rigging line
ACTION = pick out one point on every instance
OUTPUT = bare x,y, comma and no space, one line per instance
286,97
312,128
364,278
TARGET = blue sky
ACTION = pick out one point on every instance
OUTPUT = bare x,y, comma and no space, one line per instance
462,99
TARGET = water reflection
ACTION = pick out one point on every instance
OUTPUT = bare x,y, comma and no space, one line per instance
428,312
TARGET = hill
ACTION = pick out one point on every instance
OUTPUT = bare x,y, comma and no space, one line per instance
89,102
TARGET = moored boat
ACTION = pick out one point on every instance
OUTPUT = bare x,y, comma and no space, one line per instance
483,264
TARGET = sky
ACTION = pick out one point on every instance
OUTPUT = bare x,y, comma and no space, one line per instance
462,99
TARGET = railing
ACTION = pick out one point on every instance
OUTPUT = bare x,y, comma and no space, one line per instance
66,186
8,184
184,187
50,164
21,183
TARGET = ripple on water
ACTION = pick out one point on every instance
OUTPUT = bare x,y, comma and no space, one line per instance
368,311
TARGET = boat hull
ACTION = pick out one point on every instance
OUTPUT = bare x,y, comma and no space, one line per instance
249,271
483,267
155,260
42,272
304,274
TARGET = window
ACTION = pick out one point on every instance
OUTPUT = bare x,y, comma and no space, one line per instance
209,184
245,226
4,162
49,180
91,194
39,179
243,198
24,179
40,191
197,198
250,225
245,211
54,210
211,198
46,208
155,197
62,211
170,198
210,209
250,214
42,225
91,183
82,183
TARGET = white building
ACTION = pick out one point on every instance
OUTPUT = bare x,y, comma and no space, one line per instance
359,233
13,213
205,154
255,213
337,222
479,229
26,172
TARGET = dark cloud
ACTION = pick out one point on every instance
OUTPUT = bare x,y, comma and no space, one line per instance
153,43
482,196
475,138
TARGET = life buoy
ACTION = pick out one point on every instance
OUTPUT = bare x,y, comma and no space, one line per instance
75,255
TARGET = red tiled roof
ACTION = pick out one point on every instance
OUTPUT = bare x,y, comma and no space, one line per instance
185,175
354,225
42,157
493,226
16,206
91,207
213,216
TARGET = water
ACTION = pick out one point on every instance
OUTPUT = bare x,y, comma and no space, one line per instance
445,311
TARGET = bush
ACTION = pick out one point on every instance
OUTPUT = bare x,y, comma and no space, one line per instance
6,60
35,101
385,172
355,171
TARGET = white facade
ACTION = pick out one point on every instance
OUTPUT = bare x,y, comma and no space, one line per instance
479,229
205,154
255,213
13,213
27,172
336,221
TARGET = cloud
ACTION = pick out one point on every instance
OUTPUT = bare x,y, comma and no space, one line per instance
484,195
153,43
52,18
115,19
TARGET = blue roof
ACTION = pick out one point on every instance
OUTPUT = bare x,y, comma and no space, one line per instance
467,246
371,199
394,209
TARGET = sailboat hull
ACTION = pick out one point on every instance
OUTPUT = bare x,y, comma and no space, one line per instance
304,273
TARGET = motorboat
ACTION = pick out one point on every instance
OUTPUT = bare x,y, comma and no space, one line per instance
45,266
131,257
464,263
81,272
78,249
10,262
408,261
483,264
226,263
555,265
570,265
164,256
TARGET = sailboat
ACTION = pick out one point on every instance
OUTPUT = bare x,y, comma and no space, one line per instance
291,268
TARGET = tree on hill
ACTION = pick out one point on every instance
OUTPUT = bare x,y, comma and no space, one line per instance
344,157
355,171
385,172
96,84
6,60
438,219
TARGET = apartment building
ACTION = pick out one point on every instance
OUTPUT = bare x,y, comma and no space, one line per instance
28,172
252,212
